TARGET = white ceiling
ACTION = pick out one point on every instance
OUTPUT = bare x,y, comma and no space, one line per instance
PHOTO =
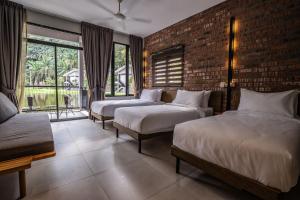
161,13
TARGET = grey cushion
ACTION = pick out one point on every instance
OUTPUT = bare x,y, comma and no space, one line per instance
25,135
7,108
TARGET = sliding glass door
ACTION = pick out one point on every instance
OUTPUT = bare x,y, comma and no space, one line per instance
54,78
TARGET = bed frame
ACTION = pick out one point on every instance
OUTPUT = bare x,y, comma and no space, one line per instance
231,178
167,96
101,118
20,165
215,101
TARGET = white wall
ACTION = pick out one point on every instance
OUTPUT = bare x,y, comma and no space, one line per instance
61,23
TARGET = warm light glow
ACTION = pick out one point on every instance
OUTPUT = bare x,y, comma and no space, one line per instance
145,54
235,44
236,26
145,63
234,63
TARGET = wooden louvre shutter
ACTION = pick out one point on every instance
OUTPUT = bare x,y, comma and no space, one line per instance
167,67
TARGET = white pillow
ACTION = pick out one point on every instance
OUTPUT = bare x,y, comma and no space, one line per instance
189,98
159,93
149,95
205,101
281,103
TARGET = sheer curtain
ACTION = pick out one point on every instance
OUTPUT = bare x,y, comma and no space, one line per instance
21,79
12,19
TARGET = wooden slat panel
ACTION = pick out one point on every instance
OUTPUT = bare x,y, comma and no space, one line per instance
171,62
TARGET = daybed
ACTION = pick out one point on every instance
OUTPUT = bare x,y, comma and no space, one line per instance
23,138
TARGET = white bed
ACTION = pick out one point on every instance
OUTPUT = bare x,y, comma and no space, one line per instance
263,147
108,107
158,118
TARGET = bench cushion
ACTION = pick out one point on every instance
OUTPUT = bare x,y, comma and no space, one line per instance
7,108
25,135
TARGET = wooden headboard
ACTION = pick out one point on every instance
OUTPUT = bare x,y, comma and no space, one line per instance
299,105
168,95
215,100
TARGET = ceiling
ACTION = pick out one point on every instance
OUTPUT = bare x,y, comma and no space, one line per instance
153,15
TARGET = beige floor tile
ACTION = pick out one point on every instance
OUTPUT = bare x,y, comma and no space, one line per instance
110,157
57,173
137,180
202,189
96,143
86,189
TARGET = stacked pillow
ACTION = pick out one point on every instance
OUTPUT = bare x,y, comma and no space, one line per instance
7,108
151,95
279,103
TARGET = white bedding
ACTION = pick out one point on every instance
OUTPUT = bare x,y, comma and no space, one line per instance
157,118
107,107
259,146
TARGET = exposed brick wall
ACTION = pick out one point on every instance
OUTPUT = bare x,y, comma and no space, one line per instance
267,56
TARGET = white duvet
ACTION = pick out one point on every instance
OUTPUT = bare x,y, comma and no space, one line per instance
259,146
157,118
107,107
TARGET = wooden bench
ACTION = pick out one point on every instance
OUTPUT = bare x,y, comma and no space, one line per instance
20,165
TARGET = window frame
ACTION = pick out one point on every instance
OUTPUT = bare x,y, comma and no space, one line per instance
166,55
112,72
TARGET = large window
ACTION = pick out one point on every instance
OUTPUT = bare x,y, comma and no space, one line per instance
120,79
167,67
54,77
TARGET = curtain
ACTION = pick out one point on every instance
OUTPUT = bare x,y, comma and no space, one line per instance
97,46
12,18
136,52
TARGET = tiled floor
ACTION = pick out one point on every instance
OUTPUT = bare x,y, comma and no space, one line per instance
92,164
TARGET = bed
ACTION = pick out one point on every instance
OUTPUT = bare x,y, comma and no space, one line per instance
146,122
104,110
252,150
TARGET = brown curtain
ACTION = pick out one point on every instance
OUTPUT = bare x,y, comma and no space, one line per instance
12,18
136,52
97,46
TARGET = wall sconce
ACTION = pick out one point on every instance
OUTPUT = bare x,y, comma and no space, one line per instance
230,60
145,65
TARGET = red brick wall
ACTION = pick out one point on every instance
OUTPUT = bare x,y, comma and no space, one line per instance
267,56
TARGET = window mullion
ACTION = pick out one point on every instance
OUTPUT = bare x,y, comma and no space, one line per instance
113,72
127,70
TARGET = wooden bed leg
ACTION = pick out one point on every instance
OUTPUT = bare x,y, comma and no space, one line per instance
94,118
140,145
22,184
103,124
117,133
177,165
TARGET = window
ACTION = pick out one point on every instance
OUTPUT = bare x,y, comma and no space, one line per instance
54,74
120,79
167,67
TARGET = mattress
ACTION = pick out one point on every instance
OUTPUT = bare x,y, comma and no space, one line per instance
24,135
107,107
259,146
157,118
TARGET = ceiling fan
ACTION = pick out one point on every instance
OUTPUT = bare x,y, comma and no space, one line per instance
119,15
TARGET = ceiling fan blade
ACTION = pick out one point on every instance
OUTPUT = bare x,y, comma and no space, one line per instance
147,21
100,5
